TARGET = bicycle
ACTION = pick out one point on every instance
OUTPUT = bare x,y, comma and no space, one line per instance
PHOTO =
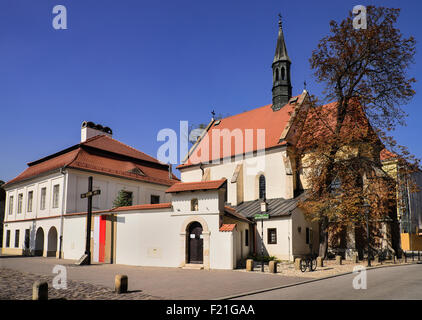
309,262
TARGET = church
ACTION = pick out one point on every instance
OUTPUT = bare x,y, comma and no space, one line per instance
233,201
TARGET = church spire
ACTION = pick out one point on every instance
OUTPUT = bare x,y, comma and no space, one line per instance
282,88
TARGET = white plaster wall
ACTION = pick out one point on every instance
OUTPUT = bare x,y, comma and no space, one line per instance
283,249
270,164
35,185
299,238
33,225
110,187
74,237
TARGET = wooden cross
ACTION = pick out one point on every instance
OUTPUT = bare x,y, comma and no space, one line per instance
89,195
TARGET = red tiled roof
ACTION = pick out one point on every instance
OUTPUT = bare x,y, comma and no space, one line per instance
227,227
249,122
105,155
143,207
191,186
387,155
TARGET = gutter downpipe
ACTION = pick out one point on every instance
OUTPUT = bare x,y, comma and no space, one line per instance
62,171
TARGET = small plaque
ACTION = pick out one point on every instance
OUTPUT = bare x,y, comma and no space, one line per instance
201,236
192,236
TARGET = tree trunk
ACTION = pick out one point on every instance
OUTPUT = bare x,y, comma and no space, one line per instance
323,238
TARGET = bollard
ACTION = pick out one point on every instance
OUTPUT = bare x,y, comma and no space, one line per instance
394,259
121,283
339,260
413,256
297,264
419,255
272,265
249,265
355,258
320,262
405,258
377,259
40,290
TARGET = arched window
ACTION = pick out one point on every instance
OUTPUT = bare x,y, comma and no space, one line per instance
283,73
276,74
194,205
262,194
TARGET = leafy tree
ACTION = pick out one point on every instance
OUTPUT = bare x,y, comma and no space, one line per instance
364,72
123,199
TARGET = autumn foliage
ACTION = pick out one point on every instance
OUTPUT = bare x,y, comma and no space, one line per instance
364,73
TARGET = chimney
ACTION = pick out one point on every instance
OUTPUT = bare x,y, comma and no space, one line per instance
90,129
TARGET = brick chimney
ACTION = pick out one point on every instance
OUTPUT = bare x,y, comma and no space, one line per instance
90,129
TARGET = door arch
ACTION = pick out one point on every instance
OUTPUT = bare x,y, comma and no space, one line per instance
195,243
52,242
39,242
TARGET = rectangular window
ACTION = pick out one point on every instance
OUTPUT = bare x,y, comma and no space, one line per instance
7,238
155,199
43,195
56,192
272,236
246,237
11,205
30,198
27,238
20,202
17,239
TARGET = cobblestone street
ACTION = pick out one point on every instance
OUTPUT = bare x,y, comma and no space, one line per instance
16,285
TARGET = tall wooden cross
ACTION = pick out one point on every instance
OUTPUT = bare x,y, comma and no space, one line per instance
86,259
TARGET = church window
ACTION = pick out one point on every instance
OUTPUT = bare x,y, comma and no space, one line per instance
262,192
194,205
283,73
276,74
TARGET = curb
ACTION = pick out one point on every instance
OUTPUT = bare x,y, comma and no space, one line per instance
309,281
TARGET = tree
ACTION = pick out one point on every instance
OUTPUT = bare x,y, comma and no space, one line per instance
364,72
123,199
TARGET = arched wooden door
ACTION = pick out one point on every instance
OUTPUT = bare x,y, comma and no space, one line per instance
195,243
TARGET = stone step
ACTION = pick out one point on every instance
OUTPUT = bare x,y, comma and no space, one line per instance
195,266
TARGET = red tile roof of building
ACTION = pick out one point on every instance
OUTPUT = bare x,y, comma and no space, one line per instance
192,186
227,227
274,123
143,207
387,155
105,155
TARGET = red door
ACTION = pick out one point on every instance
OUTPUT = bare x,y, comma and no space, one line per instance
102,241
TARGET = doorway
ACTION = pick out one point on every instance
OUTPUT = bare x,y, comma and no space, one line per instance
195,243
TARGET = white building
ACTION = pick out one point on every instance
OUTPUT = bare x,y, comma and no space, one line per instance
207,220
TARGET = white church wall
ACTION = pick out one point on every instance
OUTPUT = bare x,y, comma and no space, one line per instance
283,248
270,164
74,237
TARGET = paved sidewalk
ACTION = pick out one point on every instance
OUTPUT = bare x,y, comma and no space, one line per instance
167,283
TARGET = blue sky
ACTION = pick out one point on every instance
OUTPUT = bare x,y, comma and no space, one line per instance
141,66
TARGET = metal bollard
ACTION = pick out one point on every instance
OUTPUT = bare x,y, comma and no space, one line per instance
419,255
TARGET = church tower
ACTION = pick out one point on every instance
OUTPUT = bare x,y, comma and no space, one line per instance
282,88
